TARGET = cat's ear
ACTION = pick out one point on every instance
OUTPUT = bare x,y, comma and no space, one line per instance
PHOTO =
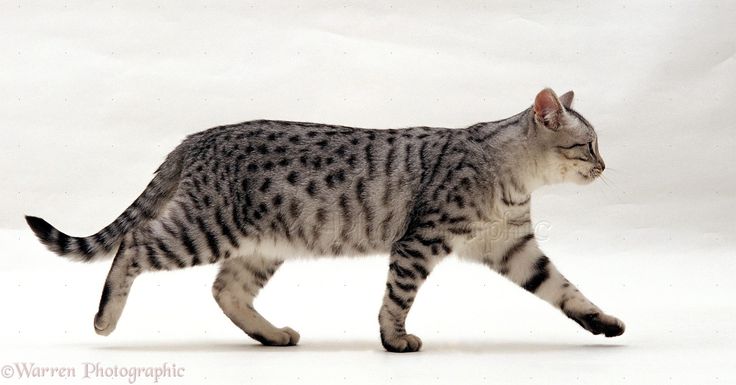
548,109
566,99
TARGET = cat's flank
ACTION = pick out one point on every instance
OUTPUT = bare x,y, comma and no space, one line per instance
251,195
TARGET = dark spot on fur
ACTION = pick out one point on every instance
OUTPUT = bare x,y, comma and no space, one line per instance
292,177
278,200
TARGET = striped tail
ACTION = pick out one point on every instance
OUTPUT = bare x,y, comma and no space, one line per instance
147,206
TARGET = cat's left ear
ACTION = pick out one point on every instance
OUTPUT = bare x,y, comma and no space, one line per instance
548,109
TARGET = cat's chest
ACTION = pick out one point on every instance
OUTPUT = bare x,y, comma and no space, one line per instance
499,228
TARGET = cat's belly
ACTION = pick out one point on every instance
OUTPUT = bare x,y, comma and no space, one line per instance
326,246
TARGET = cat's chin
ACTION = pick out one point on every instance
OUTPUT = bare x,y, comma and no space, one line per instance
583,179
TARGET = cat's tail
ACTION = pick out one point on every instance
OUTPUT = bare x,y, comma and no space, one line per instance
147,206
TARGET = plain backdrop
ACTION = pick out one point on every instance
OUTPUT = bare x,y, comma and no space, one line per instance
93,95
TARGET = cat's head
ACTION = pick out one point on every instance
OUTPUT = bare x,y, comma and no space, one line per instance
566,141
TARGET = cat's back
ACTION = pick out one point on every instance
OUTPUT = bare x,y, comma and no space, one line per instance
327,189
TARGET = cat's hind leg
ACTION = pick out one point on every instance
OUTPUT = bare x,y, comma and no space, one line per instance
143,249
124,270
236,285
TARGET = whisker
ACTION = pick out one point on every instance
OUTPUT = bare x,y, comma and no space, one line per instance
603,190
616,170
609,183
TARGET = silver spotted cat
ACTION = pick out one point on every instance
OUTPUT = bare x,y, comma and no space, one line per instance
251,195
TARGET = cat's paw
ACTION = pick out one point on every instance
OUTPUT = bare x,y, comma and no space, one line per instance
285,336
598,323
293,335
103,326
402,344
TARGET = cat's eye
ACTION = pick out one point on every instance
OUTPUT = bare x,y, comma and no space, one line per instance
570,147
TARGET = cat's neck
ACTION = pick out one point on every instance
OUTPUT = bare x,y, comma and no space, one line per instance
508,144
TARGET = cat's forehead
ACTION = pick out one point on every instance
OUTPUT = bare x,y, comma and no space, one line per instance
579,127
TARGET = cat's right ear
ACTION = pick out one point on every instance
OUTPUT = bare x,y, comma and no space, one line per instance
566,98
548,109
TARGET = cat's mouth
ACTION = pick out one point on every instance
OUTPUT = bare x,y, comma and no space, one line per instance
595,172
586,177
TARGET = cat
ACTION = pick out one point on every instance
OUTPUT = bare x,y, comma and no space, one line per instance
251,195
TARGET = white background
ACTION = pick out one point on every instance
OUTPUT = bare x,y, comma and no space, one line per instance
94,95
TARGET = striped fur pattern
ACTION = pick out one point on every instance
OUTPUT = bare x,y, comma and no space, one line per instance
252,195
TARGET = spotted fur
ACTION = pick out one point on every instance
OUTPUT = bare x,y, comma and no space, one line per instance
251,195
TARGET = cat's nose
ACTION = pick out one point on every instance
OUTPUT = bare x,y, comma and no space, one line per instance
601,165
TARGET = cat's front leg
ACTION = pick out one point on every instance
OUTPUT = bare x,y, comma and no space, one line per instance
522,262
412,259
